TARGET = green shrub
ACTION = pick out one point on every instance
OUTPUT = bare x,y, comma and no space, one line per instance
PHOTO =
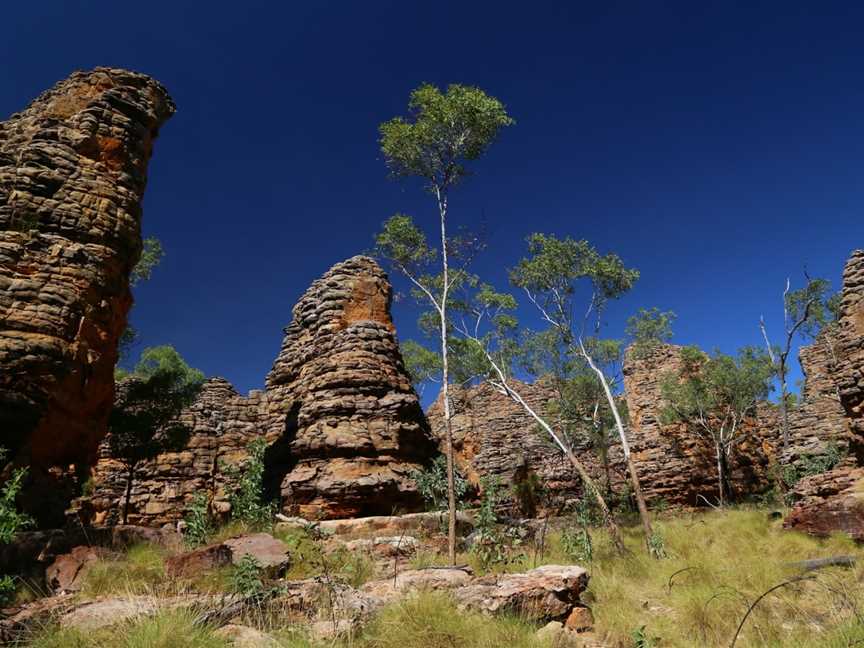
199,526
246,579
576,544
11,521
432,484
247,499
813,464
492,545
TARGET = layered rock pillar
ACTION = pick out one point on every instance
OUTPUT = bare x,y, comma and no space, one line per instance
342,401
73,168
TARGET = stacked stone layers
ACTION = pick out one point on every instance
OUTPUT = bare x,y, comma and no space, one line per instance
221,425
675,464
849,351
494,437
340,397
73,167
828,503
819,419
343,425
834,501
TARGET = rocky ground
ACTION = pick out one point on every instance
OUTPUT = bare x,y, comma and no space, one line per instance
363,582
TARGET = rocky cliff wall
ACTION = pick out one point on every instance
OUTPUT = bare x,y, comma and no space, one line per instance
221,425
834,501
494,437
675,465
73,167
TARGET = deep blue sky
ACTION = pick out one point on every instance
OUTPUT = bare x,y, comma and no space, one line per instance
716,146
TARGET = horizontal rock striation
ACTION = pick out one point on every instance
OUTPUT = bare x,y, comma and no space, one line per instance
343,425
676,465
494,437
221,424
819,420
73,167
834,501
849,365
342,403
828,503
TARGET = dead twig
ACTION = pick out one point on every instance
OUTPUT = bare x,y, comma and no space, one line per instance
753,605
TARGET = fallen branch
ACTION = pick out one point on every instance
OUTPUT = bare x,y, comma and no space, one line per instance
822,563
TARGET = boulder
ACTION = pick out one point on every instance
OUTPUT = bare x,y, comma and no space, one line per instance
831,502
67,571
270,553
129,535
547,593
433,579
93,615
580,619
385,546
431,522
200,560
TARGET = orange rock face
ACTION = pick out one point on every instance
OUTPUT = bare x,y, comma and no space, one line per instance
342,402
73,167
344,427
834,501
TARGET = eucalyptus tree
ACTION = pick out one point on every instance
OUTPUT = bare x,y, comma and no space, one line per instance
714,395
151,256
486,322
442,134
550,276
806,311
649,328
144,420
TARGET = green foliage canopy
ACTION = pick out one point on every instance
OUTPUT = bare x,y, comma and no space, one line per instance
443,132
813,306
649,328
713,390
553,269
148,401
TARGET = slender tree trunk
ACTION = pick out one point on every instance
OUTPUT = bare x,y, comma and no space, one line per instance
644,516
720,475
445,379
590,484
130,475
784,411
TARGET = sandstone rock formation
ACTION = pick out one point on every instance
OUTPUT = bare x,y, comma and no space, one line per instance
834,501
849,350
222,424
830,502
676,465
494,437
342,402
73,167
343,424
819,419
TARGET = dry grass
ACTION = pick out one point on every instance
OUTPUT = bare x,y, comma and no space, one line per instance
719,563
169,629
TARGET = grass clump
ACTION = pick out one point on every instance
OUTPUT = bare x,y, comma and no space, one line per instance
140,571
167,629
431,620
718,564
